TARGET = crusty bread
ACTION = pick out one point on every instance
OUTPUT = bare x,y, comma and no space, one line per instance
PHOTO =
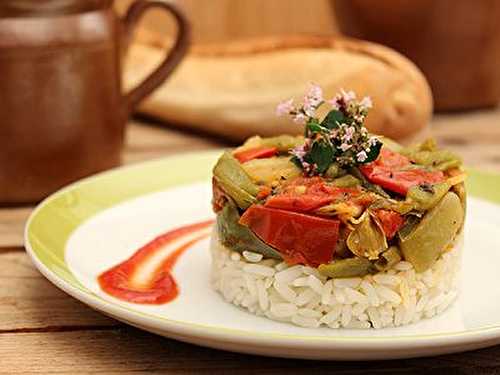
233,89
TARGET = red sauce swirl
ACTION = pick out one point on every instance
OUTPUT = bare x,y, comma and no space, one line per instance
161,286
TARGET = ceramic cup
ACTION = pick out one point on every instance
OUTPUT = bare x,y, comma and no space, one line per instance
63,110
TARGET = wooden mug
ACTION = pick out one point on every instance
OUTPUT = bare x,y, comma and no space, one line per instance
63,112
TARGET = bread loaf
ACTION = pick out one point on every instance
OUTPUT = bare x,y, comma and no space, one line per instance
233,89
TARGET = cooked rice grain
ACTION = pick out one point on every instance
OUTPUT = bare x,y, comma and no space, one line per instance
301,296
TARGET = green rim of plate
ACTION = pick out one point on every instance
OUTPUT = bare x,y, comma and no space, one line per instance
49,228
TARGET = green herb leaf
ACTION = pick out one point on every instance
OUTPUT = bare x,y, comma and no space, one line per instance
333,119
321,154
295,160
313,126
374,152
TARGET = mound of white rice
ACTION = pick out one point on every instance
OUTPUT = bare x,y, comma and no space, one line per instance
300,295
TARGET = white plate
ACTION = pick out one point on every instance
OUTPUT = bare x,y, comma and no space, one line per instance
200,316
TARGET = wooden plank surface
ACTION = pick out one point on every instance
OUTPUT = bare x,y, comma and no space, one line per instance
29,302
146,142
127,350
11,225
473,135
42,330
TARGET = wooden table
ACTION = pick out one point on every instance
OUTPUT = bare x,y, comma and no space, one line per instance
42,330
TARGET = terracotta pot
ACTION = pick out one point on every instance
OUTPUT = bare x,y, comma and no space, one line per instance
456,43
62,106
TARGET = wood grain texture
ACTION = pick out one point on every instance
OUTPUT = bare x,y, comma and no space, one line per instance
11,222
473,135
126,350
42,330
146,142
29,302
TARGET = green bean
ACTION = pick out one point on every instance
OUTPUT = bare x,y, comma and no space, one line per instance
283,142
439,159
388,259
346,181
334,171
427,145
424,198
401,207
445,165
391,144
235,181
436,230
268,170
350,267
459,189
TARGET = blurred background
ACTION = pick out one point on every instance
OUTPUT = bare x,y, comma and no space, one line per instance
226,20
106,82
455,42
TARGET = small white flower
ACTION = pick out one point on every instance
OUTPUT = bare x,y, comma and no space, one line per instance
373,141
299,118
343,99
309,109
361,156
309,168
299,152
349,132
312,99
366,103
334,103
284,108
359,118
344,147
315,92
348,95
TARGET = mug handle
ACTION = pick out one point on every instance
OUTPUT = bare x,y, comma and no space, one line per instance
173,58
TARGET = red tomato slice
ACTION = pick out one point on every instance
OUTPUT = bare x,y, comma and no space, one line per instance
387,172
299,238
298,203
391,159
255,153
401,181
391,222
316,195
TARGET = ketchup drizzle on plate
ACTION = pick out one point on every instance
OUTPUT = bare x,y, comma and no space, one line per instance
161,287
